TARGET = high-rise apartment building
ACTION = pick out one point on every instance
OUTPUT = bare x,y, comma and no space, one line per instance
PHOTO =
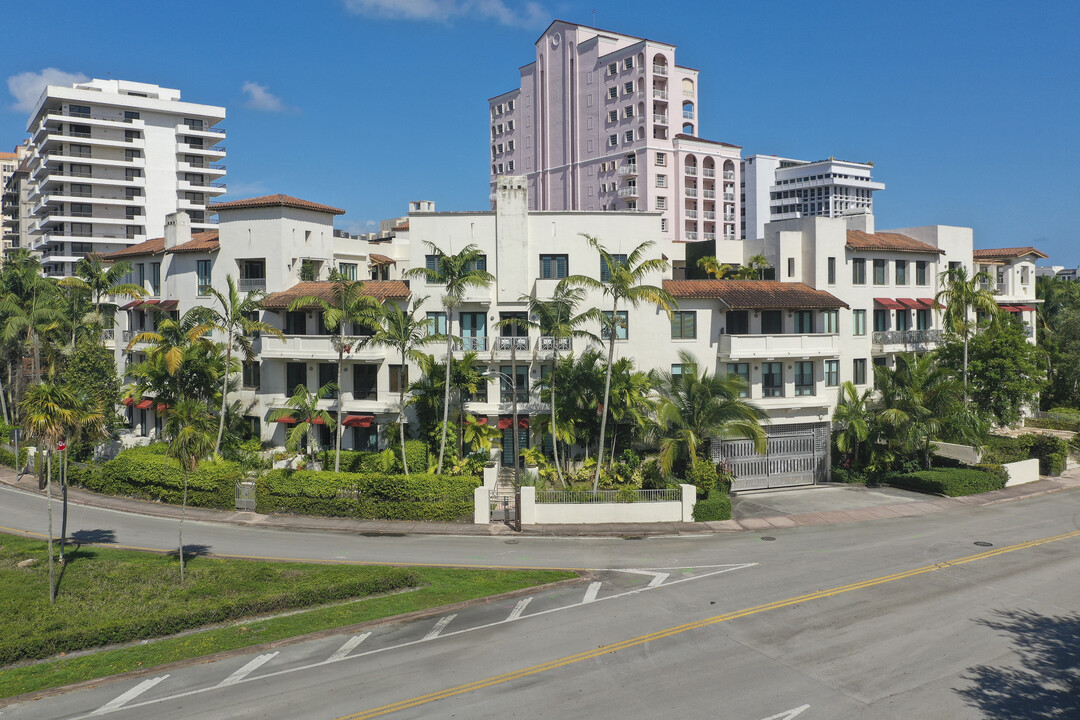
15,199
606,121
776,188
110,159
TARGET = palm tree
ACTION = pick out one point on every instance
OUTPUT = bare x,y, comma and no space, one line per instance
236,319
961,295
852,419
754,269
171,338
183,362
456,273
302,408
918,398
28,307
624,286
348,304
102,282
47,410
714,267
696,406
632,404
190,428
87,423
400,329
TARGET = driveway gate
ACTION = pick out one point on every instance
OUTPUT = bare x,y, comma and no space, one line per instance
795,455
245,495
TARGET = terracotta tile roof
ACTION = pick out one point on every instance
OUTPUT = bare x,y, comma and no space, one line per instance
754,294
200,242
275,200
1013,252
859,240
403,227
378,289
154,246
7,156
377,259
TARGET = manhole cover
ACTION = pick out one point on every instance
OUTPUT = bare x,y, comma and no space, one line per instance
633,537
768,538
983,543
511,542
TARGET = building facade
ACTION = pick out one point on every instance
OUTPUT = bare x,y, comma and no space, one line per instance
109,160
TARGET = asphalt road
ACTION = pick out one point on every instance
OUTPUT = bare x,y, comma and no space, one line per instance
903,618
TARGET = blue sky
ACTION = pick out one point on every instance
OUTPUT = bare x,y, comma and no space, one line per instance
968,109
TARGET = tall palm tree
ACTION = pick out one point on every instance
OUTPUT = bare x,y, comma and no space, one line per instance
182,362
29,308
47,410
456,273
172,337
714,267
624,287
632,403
347,306
918,398
851,419
400,329
87,422
696,406
961,295
754,269
302,408
236,318
190,428
103,283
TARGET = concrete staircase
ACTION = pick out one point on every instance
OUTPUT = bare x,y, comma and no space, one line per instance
504,487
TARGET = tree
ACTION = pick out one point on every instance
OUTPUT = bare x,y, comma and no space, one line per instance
401,330
714,268
91,375
1007,372
632,403
918,399
429,393
103,283
47,410
695,407
851,420
961,295
182,361
624,287
303,412
28,306
456,273
1058,321
754,269
237,319
88,424
190,428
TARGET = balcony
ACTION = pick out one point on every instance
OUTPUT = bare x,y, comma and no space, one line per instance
709,194
550,344
628,169
511,344
659,119
766,347
709,214
473,344
628,191
690,235
249,284
889,341
690,192
729,217
688,114
659,69
690,170
313,347
708,172
691,214
709,236
729,197
659,94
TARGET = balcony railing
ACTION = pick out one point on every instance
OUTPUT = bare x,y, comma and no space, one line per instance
690,192
512,343
688,114
474,344
548,344
907,337
691,214
628,169
690,170
660,119
709,214
710,194
629,191
708,172
729,174
659,94
709,236
730,197
690,235
779,346
249,284
659,69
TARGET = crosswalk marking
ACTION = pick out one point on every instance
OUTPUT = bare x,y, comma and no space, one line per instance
348,647
658,578
251,667
518,609
592,592
439,627
121,700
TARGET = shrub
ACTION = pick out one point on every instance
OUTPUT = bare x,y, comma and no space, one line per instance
1000,449
703,476
847,475
7,457
147,473
1055,424
421,496
386,461
1052,452
717,506
949,481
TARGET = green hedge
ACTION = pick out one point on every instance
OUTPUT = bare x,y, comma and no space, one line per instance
145,473
715,507
953,482
1052,452
7,457
362,461
847,475
372,496
1073,425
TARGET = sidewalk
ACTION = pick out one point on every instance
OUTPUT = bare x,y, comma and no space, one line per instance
932,504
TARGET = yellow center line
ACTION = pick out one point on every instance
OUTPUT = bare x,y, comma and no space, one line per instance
696,625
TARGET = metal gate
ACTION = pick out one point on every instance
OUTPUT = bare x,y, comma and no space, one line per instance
795,455
245,495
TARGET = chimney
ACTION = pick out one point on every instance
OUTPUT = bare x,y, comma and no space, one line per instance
177,229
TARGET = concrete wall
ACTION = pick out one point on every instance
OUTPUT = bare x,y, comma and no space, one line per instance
1022,472
963,453
533,513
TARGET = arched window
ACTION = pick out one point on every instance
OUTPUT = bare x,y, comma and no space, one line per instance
688,87
688,129
688,110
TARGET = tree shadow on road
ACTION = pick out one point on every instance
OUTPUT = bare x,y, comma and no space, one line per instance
1047,685
92,537
191,551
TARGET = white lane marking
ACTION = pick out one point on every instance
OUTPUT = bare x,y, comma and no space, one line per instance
348,647
120,700
788,714
488,626
518,609
251,667
439,627
658,577
591,593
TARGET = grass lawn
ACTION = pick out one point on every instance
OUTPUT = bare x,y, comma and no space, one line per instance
111,596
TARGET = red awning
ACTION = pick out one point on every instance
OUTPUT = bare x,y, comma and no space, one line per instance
929,302
287,420
168,305
144,404
1026,308
129,401
507,422
363,421
131,305
910,303
482,420
1007,308
317,420
891,304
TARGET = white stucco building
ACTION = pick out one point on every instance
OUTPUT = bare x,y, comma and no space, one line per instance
110,159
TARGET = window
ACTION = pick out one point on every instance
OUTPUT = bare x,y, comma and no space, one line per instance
500,168
132,173
901,272
903,320
509,105
509,145
628,111
881,320
510,166
365,382
953,264
431,262
858,271
628,88
772,322
832,271
804,322
521,383
920,272
499,149
661,159
613,69
832,321
684,325
480,263
515,326
203,271
295,376
509,125
628,63
366,438
858,322
474,331
605,271
612,140
613,116
858,371
155,278
613,92
327,375
804,377
399,378
132,153
663,225
880,267
83,210
661,203
922,319
832,373
791,267
436,323
79,110
296,322
661,181
628,136
252,376
348,271
553,267
738,322
742,370
622,325
772,379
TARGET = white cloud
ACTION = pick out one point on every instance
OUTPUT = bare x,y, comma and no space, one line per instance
361,226
260,98
27,87
246,189
528,14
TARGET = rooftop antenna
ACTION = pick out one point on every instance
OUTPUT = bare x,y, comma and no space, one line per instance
594,19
